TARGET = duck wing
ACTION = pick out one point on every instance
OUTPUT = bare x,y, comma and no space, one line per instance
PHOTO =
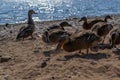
25,32
94,22
53,27
87,37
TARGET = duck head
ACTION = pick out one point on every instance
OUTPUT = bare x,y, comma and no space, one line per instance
83,19
30,12
6,24
107,17
65,24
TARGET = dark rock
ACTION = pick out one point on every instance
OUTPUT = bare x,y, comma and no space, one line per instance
36,50
4,59
43,64
53,77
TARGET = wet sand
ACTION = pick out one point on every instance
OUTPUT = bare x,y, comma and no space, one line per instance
28,56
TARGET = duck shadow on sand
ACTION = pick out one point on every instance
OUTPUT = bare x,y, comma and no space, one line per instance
47,53
91,56
95,56
51,52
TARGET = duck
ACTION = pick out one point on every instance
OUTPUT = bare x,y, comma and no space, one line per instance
6,26
81,41
60,26
88,26
51,34
102,29
114,39
54,36
27,31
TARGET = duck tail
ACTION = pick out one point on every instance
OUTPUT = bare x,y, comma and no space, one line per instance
18,37
113,38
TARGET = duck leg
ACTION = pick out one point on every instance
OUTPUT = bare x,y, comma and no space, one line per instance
103,39
80,52
59,46
23,39
87,50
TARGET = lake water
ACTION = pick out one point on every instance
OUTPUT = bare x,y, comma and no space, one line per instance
15,11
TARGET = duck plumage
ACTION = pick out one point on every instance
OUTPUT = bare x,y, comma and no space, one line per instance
27,31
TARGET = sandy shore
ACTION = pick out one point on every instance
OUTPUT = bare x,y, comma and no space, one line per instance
28,56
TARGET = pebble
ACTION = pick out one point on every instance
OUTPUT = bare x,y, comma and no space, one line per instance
36,50
4,59
43,64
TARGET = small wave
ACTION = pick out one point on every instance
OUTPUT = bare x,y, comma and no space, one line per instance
56,9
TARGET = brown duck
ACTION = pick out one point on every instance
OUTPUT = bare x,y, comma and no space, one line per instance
89,25
54,36
54,32
102,29
81,41
27,31
60,26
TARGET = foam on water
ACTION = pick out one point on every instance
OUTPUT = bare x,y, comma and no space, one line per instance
15,11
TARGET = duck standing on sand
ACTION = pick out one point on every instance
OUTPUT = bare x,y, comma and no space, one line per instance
27,31
85,40
89,25
102,29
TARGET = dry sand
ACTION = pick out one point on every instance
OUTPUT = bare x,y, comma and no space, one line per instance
28,56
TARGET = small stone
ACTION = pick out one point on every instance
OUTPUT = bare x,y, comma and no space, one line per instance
11,32
53,77
43,64
4,59
6,77
47,59
36,50
93,63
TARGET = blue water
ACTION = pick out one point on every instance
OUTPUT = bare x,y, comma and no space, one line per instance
15,11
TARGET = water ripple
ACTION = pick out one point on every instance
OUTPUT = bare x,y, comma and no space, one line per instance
14,11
